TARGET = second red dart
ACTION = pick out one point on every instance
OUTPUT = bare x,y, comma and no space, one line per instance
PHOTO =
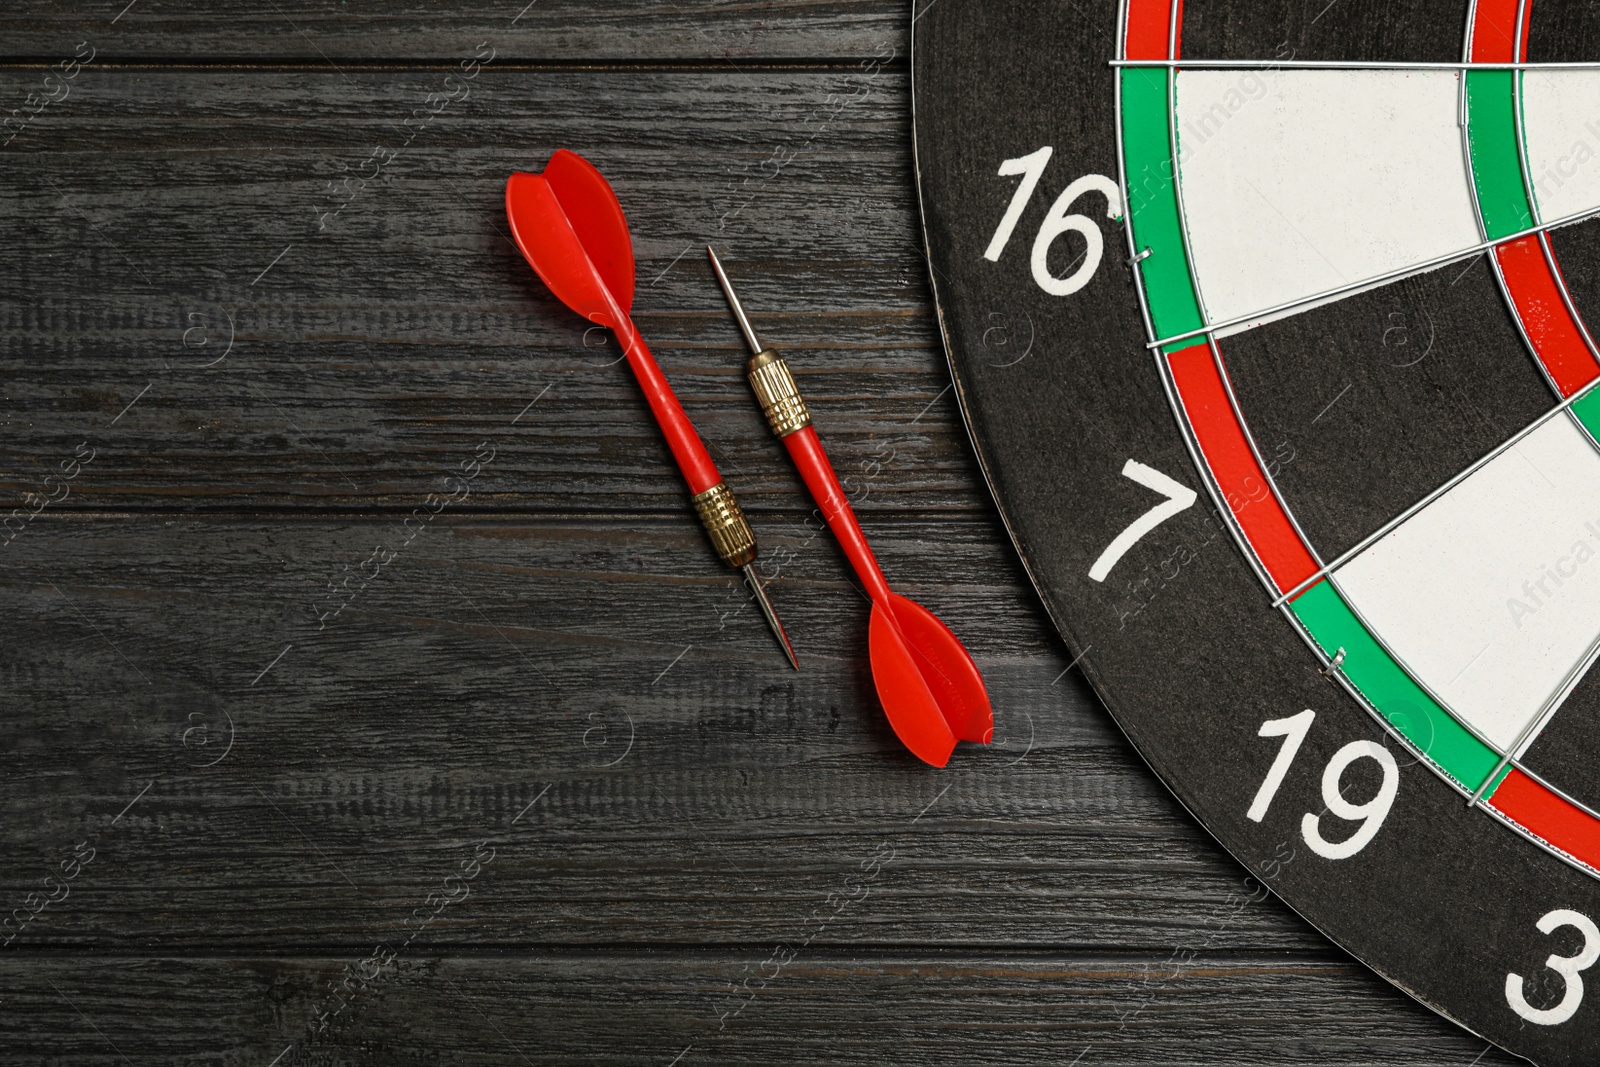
929,687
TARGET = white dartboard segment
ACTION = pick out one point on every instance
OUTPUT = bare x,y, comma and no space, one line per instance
1561,130
1298,182
1491,593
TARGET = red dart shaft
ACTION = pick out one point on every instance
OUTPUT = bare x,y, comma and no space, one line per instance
790,419
807,453
687,448
930,688
570,228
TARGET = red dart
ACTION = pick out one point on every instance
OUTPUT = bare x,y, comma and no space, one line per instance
571,230
929,687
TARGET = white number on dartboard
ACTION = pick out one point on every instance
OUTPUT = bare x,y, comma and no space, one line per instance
1370,814
1570,968
1057,221
1179,497
1293,730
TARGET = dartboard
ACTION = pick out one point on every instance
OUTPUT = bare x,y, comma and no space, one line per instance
1271,325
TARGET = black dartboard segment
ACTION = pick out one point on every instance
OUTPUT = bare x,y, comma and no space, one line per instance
1271,330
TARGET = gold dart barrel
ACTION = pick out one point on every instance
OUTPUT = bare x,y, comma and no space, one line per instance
726,525
775,388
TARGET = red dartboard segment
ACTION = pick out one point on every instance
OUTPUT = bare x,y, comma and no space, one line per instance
1556,820
1494,28
1244,486
1149,32
1536,299
1529,273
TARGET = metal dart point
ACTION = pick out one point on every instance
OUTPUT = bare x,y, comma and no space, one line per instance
735,544
733,302
772,616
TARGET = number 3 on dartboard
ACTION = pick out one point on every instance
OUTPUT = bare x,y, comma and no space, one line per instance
1570,968
1057,222
1370,814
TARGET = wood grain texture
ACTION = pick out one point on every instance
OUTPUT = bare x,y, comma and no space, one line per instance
727,32
381,349
824,1007
665,801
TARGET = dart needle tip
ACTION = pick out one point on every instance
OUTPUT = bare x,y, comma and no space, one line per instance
772,616
733,302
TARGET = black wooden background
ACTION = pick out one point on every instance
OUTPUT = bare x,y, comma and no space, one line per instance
667,847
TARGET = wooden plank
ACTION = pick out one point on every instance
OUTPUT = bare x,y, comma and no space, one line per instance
822,1007
598,700
158,214
321,31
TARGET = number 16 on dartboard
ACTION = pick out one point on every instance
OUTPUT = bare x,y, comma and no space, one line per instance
1057,221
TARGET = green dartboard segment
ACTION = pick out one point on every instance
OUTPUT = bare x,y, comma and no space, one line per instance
1587,409
1389,689
1153,203
1492,136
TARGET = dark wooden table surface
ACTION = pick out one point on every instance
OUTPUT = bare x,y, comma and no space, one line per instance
531,784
